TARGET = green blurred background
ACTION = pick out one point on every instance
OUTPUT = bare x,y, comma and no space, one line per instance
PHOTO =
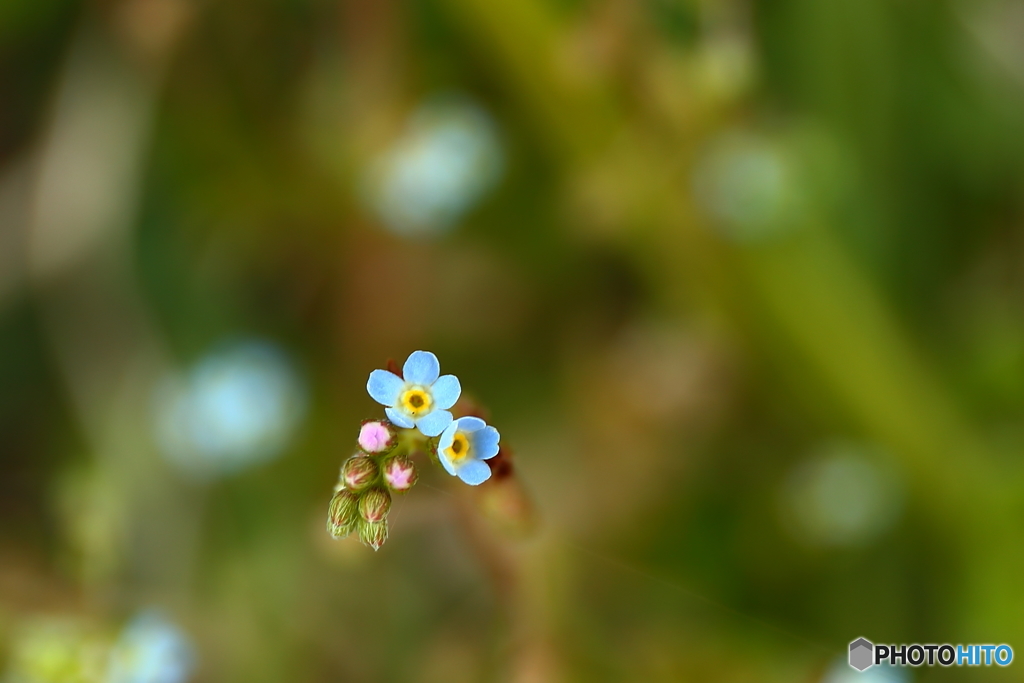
741,283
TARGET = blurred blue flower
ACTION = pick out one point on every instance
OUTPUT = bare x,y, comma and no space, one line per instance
419,400
841,672
464,446
448,158
748,185
843,496
151,650
239,406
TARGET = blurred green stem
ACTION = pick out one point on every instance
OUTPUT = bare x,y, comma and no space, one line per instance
816,298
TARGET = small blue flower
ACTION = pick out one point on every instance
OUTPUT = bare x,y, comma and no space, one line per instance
464,446
420,400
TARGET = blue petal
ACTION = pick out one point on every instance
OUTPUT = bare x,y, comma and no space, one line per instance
474,472
485,443
434,423
384,387
447,436
446,391
421,367
445,462
471,424
399,418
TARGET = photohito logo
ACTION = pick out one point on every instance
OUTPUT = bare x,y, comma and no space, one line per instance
864,654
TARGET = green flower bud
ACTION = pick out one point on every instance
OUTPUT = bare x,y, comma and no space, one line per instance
374,505
342,514
358,472
373,534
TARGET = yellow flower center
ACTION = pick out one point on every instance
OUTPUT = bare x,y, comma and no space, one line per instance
459,448
416,401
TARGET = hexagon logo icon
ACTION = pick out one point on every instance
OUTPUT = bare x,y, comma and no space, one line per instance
862,654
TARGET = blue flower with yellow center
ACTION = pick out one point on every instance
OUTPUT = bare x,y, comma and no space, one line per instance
421,399
463,447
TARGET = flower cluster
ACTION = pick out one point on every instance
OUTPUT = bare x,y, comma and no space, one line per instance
418,406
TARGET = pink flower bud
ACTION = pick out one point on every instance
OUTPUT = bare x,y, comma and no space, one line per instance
376,437
374,505
358,472
399,473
